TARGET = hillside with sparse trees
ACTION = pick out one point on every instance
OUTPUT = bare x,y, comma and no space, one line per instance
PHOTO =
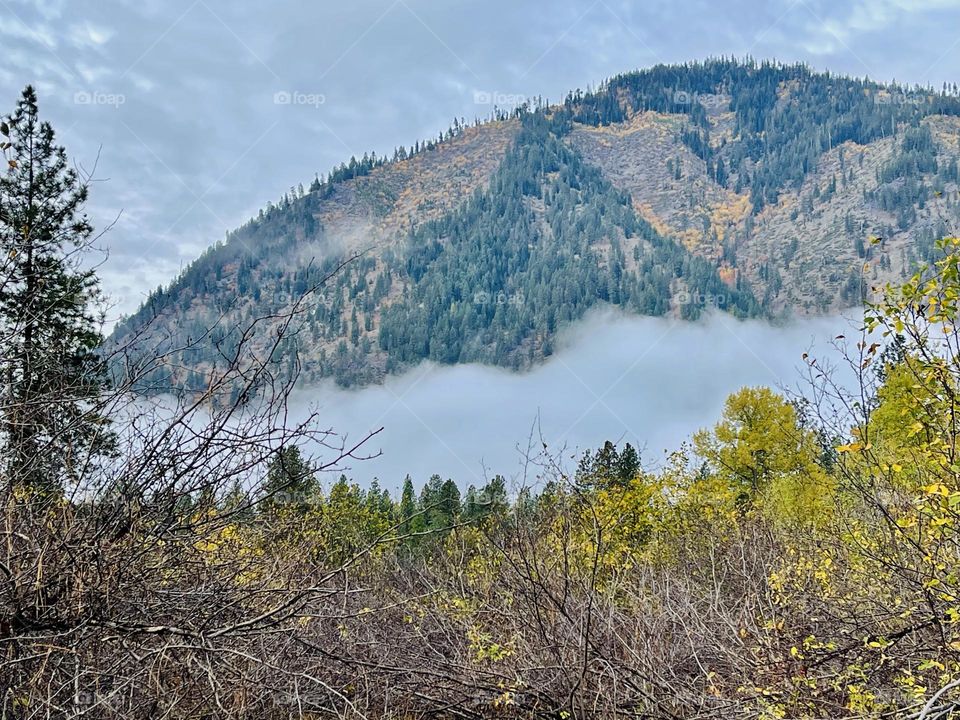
752,188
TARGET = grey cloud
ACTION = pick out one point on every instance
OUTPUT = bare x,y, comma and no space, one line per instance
648,381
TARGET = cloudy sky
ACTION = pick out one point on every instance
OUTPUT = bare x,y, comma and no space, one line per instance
203,110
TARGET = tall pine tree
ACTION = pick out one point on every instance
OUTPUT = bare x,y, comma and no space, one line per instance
408,508
291,482
52,431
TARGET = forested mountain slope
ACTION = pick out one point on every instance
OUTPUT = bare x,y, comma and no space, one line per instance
756,188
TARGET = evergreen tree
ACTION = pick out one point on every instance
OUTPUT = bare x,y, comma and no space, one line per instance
609,467
472,505
490,501
628,464
408,507
449,503
290,482
430,503
51,372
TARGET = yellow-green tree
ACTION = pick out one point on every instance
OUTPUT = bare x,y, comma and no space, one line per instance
766,457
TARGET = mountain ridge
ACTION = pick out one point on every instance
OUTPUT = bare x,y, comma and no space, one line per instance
752,187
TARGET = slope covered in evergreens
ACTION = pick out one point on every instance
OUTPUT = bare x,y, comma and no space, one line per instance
753,188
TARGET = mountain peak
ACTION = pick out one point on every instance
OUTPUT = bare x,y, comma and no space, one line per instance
747,187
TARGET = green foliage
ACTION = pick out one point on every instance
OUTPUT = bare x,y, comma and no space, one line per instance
903,188
490,503
609,467
493,281
767,457
291,485
52,371
786,116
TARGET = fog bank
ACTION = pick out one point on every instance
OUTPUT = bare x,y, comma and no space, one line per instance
648,381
